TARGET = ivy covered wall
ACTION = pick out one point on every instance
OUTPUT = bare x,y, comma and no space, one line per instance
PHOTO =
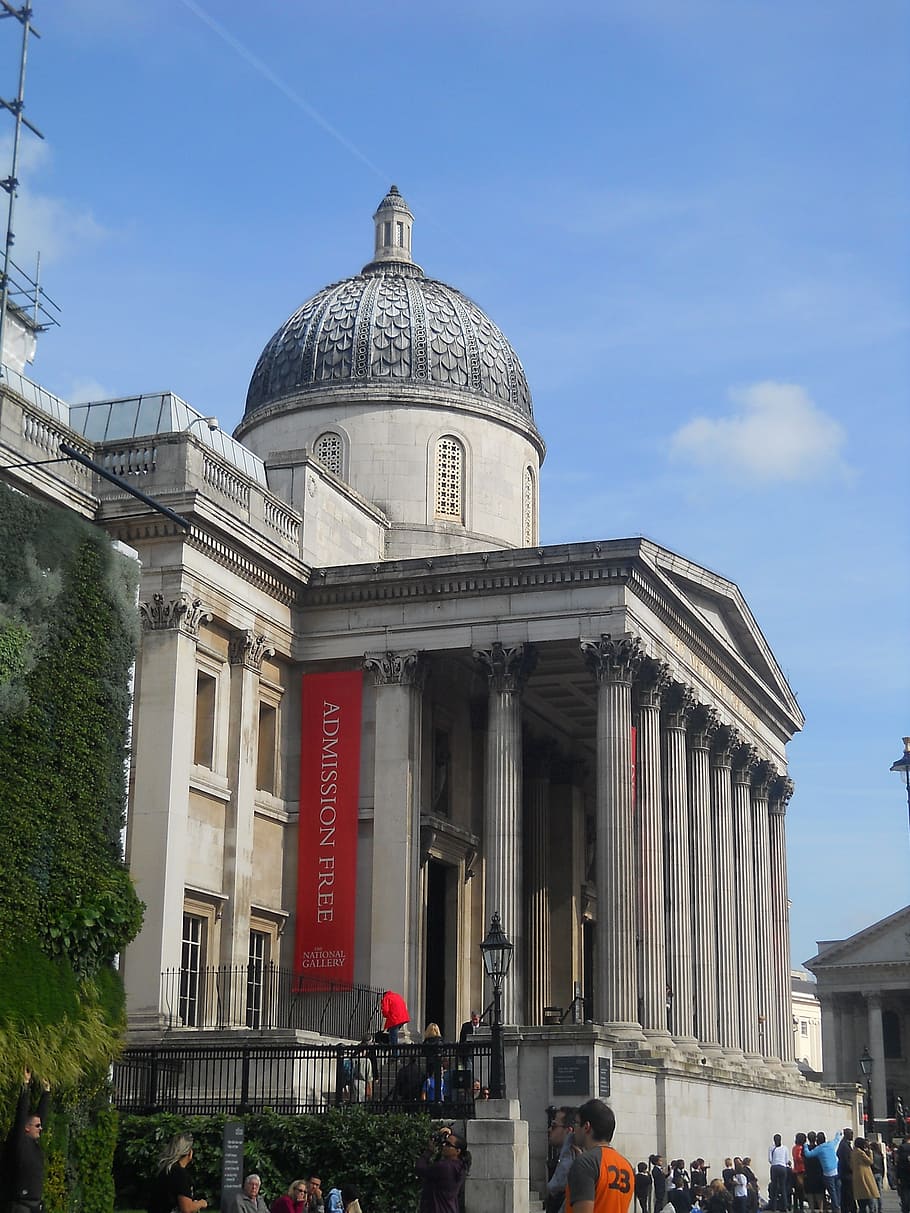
67,904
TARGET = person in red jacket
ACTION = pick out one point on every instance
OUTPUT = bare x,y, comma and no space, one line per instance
396,1014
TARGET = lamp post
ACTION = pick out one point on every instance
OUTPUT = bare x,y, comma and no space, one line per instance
496,951
866,1063
902,767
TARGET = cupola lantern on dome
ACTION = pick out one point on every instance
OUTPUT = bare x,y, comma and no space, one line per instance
393,223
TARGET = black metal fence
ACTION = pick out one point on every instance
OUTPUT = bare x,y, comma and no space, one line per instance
444,1080
263,997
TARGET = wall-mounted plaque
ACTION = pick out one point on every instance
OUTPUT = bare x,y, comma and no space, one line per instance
572,1075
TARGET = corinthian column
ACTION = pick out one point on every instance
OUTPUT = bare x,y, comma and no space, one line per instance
745,971
768,941
614,662
725,741
781,789
538,892
677,703
506,669
653,679
394,927
703,723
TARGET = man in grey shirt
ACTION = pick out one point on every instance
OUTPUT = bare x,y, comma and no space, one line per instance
249,1200
561,1136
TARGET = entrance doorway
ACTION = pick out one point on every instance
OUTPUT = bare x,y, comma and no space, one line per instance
440,957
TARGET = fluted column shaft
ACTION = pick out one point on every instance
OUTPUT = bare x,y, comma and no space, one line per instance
768,935
727,1008
679,885
702,724
745,968
614,663
538,892
507,669
782,790
876,1048
648,816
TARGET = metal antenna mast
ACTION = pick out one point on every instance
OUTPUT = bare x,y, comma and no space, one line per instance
24,16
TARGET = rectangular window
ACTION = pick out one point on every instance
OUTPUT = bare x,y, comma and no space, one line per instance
255,978
267,752
387,234
442,769
804,1027
192,962
204,747
400,228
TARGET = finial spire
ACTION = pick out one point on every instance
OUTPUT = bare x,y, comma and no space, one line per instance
393,222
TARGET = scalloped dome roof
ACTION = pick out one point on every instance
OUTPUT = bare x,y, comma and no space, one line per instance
390,325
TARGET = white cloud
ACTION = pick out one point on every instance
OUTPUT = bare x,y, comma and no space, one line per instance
42,223
776,432
83,391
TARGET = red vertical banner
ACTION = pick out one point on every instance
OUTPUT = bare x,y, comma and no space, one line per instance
634,771
327,836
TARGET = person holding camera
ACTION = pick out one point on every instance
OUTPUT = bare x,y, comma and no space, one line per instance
442,1169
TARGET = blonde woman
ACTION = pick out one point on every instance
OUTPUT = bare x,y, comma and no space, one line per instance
173,1186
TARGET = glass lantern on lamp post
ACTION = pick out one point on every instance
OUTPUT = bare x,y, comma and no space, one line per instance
496,951
902,767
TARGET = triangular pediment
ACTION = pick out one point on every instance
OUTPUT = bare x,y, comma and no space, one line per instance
884,942
721,607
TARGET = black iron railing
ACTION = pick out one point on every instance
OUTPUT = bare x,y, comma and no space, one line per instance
204,1079
263,997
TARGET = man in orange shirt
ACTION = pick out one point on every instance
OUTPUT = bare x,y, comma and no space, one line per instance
601,1180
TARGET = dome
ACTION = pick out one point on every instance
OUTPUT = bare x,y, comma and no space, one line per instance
390,326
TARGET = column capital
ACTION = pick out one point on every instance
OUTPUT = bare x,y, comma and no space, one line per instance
873,998
507,668
782,789
183,613
703,724
613,658
762,777
395,669
679,703
651,681
725,741
247,649
744,760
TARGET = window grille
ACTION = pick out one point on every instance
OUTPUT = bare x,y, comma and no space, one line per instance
529,508
449,479
192,959
329,450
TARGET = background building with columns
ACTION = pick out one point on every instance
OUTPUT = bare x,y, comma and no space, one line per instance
864,991
588,738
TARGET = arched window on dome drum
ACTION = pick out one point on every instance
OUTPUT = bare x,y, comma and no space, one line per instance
329,450
529,510
450,479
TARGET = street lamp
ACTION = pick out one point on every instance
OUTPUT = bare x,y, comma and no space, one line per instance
866,1063
496,951
902,767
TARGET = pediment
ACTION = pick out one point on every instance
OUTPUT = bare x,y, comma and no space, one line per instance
884,942
721,607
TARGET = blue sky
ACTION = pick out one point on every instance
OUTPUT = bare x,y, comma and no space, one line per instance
689,216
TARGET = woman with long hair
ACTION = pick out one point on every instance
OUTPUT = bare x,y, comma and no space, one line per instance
173,1185
443,1168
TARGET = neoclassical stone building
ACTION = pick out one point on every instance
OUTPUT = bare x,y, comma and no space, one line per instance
371,710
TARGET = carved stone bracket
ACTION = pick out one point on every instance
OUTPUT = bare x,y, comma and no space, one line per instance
678,705
247,649
703,724
725,741
763,776
401,669
781,791
507,669
613,659
182,612
745,760
651,682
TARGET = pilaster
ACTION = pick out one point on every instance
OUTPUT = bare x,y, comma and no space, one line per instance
398,678
614,661
507,669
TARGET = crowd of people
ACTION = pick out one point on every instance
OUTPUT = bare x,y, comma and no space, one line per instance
172,1190
845,1174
